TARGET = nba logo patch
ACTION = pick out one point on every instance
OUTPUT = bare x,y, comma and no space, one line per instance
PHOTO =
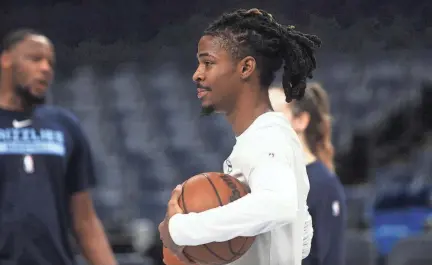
228,166
28,164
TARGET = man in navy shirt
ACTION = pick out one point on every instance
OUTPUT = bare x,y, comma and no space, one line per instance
46,167
310,118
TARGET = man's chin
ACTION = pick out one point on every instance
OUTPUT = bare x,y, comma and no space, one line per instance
37,99
29,99
207,110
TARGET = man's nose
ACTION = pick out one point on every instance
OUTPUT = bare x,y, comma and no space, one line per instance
198,76
46,68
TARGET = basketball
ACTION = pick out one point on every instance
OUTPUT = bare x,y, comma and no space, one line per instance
203,192
169,258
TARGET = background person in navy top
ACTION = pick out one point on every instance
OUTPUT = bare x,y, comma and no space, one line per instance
46,167
310,118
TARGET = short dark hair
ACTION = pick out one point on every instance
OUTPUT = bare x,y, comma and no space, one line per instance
256,33
14,37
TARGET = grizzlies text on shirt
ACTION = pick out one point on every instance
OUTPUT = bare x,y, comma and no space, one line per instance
31,141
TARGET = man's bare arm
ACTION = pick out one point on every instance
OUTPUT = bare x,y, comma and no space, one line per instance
89,231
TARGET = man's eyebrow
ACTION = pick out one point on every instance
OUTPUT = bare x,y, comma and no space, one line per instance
203,54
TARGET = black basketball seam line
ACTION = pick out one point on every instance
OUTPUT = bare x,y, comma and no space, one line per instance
220,204
234,253
230,248
214,188
183,197
237,253
192,258
247,238
215,254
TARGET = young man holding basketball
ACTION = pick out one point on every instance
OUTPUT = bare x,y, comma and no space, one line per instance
238,57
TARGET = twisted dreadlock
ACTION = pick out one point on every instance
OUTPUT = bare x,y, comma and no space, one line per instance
256,33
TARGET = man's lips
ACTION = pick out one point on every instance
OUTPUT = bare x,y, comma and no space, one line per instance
201,92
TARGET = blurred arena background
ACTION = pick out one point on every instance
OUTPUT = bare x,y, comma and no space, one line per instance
125,69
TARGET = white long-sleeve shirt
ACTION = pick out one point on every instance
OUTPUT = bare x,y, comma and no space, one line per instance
268,157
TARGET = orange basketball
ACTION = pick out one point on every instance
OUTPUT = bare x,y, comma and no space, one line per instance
170,259
203,192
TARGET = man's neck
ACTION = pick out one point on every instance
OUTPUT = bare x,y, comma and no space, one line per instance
246,111
10,101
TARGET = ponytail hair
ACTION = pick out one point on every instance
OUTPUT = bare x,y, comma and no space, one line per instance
318,132
325,149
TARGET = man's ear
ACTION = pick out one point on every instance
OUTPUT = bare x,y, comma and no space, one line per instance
246,67
5,60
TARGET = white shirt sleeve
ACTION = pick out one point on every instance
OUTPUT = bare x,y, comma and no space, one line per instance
273,202
307,236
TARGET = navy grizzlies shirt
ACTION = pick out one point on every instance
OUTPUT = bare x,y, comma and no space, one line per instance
326,201
44,159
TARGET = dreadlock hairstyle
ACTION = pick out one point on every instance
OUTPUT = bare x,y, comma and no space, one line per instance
318,131
256,33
